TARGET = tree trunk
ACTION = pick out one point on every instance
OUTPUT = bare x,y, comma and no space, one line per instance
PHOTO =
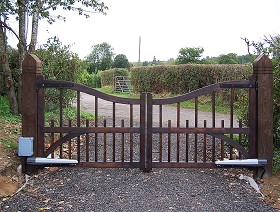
9,83
21,45
34,31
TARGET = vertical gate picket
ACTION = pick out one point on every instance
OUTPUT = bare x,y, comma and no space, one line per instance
213,125
149,136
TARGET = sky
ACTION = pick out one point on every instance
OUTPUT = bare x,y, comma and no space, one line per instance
165,26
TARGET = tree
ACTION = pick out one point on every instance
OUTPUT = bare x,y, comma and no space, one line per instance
100,58
189,55
230,58
121,61
37,10
271,47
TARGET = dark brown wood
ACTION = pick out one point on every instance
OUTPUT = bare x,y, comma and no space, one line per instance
52,137
160,134
149,144
253,120
262,68
87,142
93,92
200,92
70,142
60,118
195,125
178,134
213,125
114,134
142,131
231,119
122,139
78,125
240,139
204,143
187,142
147,130
105,142
131,134
118,164
169,143
83,130
184,165
31,71
96,125
222,142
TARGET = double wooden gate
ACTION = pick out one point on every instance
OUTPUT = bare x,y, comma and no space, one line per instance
146,138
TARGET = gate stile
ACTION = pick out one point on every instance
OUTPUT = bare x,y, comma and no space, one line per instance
159,145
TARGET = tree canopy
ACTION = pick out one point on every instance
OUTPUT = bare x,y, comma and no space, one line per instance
121,61
100,58
189,55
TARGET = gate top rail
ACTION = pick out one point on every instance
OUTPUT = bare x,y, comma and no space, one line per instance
85,89
205,90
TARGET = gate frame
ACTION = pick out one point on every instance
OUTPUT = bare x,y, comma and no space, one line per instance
261,110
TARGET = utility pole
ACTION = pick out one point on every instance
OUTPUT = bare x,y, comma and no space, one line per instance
139,49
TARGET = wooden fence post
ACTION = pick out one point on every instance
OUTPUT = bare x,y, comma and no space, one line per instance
31,69
262,68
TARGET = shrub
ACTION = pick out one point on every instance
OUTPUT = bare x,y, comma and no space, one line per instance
179,79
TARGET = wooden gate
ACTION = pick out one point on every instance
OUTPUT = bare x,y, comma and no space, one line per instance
147,138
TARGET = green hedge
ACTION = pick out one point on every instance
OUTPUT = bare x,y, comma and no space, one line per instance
107,77
178,79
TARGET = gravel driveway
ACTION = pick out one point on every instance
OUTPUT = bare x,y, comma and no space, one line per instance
85,189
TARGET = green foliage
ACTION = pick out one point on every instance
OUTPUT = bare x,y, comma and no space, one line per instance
189,55
59,63
121,61
100,58
276,160
92,80
10,128
13,63
271,47
178,79
107,77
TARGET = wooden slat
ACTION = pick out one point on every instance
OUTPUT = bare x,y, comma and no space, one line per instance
160,134
204,142
184,165
70,142
122,139
60,117
52,137
222,142
149,142
105,143
213,125
178,134
231,119
143,131
87,142
114,135
131,134
117,164
240,138
96,126
83,130
169,143
253,119
195,125
78,125
187,142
